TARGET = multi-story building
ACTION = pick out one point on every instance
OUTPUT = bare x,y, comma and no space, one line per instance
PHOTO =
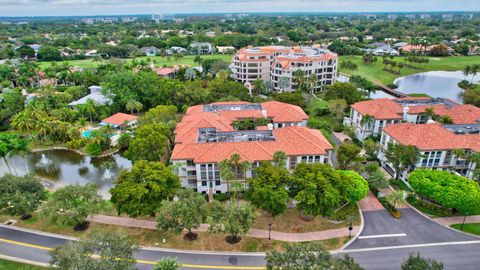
208,134
279,64
382,112
437,145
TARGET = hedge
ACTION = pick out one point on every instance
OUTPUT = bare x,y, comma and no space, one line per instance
446,189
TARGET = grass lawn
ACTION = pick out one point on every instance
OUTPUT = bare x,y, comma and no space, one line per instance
160,62
290,221
473,228
154,238
8,265
376,73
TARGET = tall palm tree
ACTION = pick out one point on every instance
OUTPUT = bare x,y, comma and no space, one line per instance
366,122
466,71
91,108
430,113
226,173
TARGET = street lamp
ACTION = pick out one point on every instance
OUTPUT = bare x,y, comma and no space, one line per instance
464,218
269,230
350,227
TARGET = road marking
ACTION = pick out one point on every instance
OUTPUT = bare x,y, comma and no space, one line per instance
381,236
144,261
412,246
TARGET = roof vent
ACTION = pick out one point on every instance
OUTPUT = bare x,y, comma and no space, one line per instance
430,121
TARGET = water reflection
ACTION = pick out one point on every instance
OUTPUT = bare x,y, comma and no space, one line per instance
66,167
441,84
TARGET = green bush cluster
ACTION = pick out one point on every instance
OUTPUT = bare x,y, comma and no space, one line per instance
390,208
447,189
418,202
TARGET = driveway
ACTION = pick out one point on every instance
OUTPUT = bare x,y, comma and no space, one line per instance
382,230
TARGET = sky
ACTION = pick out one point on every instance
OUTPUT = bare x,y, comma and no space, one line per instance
118,7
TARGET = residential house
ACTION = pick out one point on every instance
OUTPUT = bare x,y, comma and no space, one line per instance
201,48
150,51
225,49
95,95
167,72
119,120
207,135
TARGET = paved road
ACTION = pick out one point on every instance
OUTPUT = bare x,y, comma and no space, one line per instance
34,247
381,230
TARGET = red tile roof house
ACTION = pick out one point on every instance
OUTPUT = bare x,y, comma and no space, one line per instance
167,72
120,120
436,144
386,111
206,136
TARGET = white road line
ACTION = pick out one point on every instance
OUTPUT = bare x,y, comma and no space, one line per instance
381,236
411,246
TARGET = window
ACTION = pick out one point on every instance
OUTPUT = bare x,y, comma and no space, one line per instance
293,162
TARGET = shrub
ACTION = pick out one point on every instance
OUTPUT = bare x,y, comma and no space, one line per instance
221,197
338,128
76,144
344,212
446,189
390,208
94,149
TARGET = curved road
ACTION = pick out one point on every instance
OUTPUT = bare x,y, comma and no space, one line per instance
383,244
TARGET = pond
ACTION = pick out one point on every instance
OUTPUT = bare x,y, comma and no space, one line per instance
62,167
442,84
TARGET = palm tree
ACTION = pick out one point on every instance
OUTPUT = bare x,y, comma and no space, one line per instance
474,71
91,108
400,66
397,197
430,113
472,159
445,119
466,71
133,105
366,122
226,173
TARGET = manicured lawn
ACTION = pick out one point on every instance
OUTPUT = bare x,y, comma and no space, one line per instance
154,238
473,228
8,265
159,61
375,72
290,221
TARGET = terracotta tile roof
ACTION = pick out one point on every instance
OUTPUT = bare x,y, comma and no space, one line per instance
432,137
461,114
165,71
294,141
119,119
382,108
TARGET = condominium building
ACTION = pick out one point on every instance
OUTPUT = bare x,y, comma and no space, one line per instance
278,64
209,134
382,112
437,145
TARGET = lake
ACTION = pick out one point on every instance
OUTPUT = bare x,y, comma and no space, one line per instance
63,167
442,84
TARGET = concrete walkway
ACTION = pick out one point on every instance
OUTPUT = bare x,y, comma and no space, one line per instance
447,221
255,233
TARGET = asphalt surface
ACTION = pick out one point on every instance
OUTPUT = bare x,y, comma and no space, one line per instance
416,229
454,249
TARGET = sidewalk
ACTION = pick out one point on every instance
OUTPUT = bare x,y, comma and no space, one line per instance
255,233
447,221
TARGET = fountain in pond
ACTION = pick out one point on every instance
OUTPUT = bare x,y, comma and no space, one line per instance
107,175
44,161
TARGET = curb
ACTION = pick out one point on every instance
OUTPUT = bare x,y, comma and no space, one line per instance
46,234
433,220
18,260
362,224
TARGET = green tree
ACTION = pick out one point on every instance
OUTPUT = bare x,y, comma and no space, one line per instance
20,195
161,113
377,180
268,188
317,189
151,143
367,122
346,91
308,256
348,155
337,108
232,219
48,53
279,159
401,157
133,105
26,51
101,250
356,186
138,192
71,205
371,149
187,212
417,262
167,263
